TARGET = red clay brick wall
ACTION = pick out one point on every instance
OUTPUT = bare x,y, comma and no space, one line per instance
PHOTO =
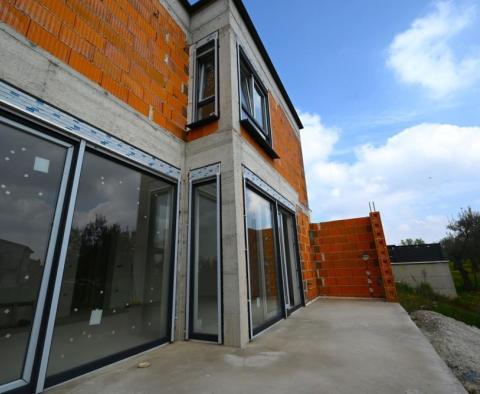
383,257
309,273
132,48
287,145
202,131
337,249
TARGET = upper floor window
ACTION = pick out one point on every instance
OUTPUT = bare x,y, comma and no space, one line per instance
253,97
254,114
206,81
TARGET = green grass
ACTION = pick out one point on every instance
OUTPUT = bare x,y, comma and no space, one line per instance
457,278
465,308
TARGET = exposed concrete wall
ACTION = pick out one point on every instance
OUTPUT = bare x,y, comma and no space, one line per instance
178,12
436,274
222,147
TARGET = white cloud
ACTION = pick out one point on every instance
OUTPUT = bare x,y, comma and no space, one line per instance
318,142
425,53
419,178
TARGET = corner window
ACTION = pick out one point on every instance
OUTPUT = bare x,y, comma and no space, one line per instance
254,101
254,114
206,81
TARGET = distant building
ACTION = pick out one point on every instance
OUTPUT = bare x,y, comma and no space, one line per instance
417,264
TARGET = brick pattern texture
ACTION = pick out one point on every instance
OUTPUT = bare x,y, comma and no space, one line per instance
132,48
287,144
309,273
383,257
202,131
338,251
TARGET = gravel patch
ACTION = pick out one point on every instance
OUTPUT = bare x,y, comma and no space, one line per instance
457,343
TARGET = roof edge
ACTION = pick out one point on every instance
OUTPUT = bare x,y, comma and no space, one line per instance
192,8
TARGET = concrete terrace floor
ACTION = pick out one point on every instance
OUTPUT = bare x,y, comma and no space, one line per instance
331,346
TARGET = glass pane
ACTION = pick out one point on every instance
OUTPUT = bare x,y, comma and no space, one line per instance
115,287
205,318
31,171
205,110
206,76
265,296
294,281
246,89
258,102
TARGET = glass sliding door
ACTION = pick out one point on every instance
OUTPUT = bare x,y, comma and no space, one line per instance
265,299
205,311
290,264
33,176
115,293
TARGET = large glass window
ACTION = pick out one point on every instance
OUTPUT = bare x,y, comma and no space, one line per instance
204,300
31,173
263,269
206,81
115,292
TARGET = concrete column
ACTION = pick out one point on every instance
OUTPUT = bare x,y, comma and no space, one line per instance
233,237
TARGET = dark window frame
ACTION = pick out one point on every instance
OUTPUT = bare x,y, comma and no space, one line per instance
26,120
254,331
261,133
204,48
278,207
101,362
192,334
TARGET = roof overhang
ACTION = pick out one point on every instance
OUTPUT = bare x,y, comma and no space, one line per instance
192,8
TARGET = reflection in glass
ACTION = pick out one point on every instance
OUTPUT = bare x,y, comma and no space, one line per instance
246,89
292,274
206,110
264,290
205,81
115,287
204,273
206,75
31,170
258,106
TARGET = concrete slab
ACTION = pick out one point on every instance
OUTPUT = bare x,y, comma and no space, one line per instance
332,346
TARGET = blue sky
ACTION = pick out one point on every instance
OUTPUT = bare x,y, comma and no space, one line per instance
389,92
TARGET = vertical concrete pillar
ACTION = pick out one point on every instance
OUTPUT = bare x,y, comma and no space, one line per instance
234,268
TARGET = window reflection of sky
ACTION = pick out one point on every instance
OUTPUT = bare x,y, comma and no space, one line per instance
28,197
260,216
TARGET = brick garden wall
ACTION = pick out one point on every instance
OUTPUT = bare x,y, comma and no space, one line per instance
338,250
132,48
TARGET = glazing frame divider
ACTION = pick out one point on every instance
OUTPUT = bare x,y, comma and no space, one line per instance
61,266
189,257
247,260
219,263
283,259
175,263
